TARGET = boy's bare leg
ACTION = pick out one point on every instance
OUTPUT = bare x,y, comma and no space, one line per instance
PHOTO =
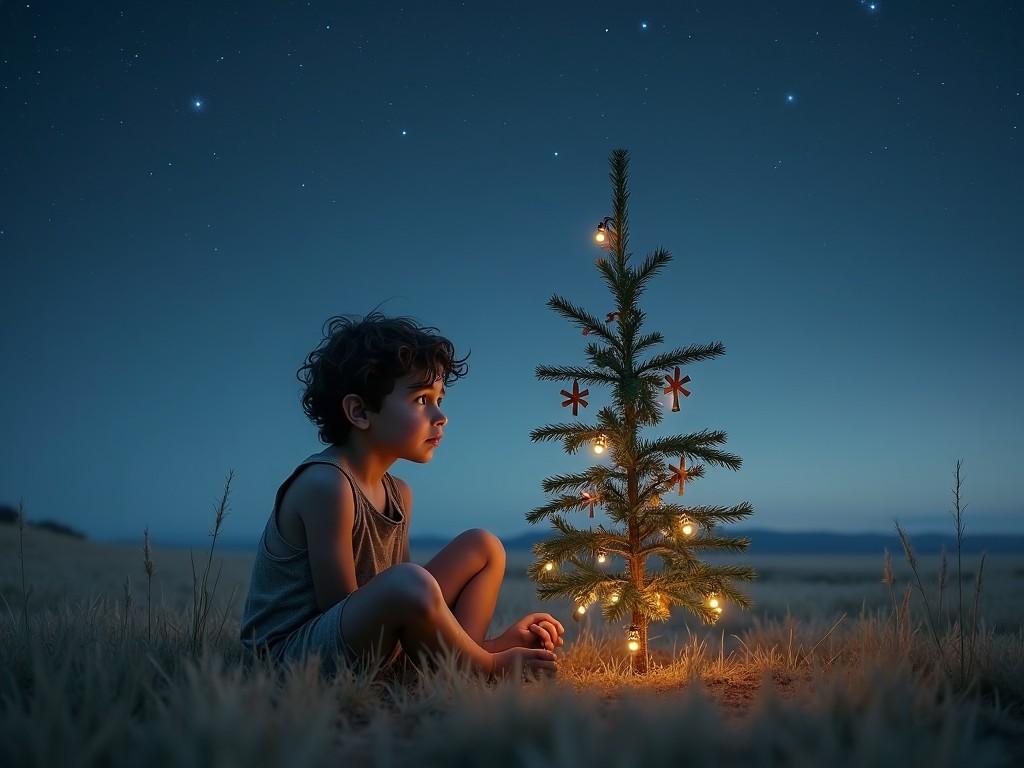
469,571
405,604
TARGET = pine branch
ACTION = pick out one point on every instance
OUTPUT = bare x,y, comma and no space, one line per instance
564,503
574,541
651,266
585,375
667,515
587,321
716,543
579,584
605,357
573,435
648,341
575,431
683,356
596,475
693,603
694,446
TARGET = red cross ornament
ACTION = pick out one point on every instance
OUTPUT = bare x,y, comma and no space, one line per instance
575,397
675,386
679,474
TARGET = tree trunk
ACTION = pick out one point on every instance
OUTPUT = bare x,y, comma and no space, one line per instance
638,661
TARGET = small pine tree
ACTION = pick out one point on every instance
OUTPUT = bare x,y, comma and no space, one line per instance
629,488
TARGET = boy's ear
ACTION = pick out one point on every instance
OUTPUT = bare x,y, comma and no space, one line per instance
355,411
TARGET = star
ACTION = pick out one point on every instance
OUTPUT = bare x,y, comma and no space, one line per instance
556,154
404,132
643,25
198,105
790,98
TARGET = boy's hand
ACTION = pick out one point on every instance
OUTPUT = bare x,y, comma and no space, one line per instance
535,630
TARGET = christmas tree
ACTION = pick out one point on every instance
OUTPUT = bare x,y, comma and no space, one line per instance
577,562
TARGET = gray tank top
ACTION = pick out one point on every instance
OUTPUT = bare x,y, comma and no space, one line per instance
281,596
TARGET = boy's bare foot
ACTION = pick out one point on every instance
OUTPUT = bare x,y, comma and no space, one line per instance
532,660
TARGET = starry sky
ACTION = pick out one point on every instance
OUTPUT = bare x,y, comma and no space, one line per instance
189,190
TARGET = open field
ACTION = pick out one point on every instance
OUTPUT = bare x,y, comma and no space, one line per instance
781,683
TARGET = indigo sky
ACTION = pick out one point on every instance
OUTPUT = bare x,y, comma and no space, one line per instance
189,190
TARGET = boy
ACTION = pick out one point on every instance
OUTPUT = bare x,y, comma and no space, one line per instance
332,574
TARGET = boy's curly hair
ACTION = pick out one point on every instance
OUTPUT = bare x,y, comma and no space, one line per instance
365,357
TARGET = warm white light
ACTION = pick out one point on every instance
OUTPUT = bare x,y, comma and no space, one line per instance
713,602
599,237
615,597
548,566
581,609
633,638
601,558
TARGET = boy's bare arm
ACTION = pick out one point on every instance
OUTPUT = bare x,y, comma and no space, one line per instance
328,513
407,507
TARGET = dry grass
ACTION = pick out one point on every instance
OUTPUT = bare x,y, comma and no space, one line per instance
830,668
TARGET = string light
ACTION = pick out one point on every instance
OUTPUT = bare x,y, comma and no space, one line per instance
600,443
549,566
603,234
687,525
714,603
633,638
615,597
602,556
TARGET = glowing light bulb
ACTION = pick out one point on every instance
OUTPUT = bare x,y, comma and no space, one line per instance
601,556
633,638
687,525
600,443
713,602
615,597
581,609
599,237
549,566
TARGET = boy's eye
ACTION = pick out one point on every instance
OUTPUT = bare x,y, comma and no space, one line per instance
423,397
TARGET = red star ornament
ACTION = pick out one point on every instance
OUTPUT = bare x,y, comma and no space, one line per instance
679,474
675,386
575,397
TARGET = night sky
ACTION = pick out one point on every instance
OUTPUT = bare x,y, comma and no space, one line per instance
189,190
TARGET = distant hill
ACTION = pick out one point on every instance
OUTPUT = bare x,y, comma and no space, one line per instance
763,542
9,516
768,542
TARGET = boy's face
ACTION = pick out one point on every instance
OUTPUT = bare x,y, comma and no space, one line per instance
409,416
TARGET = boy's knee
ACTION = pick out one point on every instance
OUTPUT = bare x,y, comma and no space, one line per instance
487,543
415,588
